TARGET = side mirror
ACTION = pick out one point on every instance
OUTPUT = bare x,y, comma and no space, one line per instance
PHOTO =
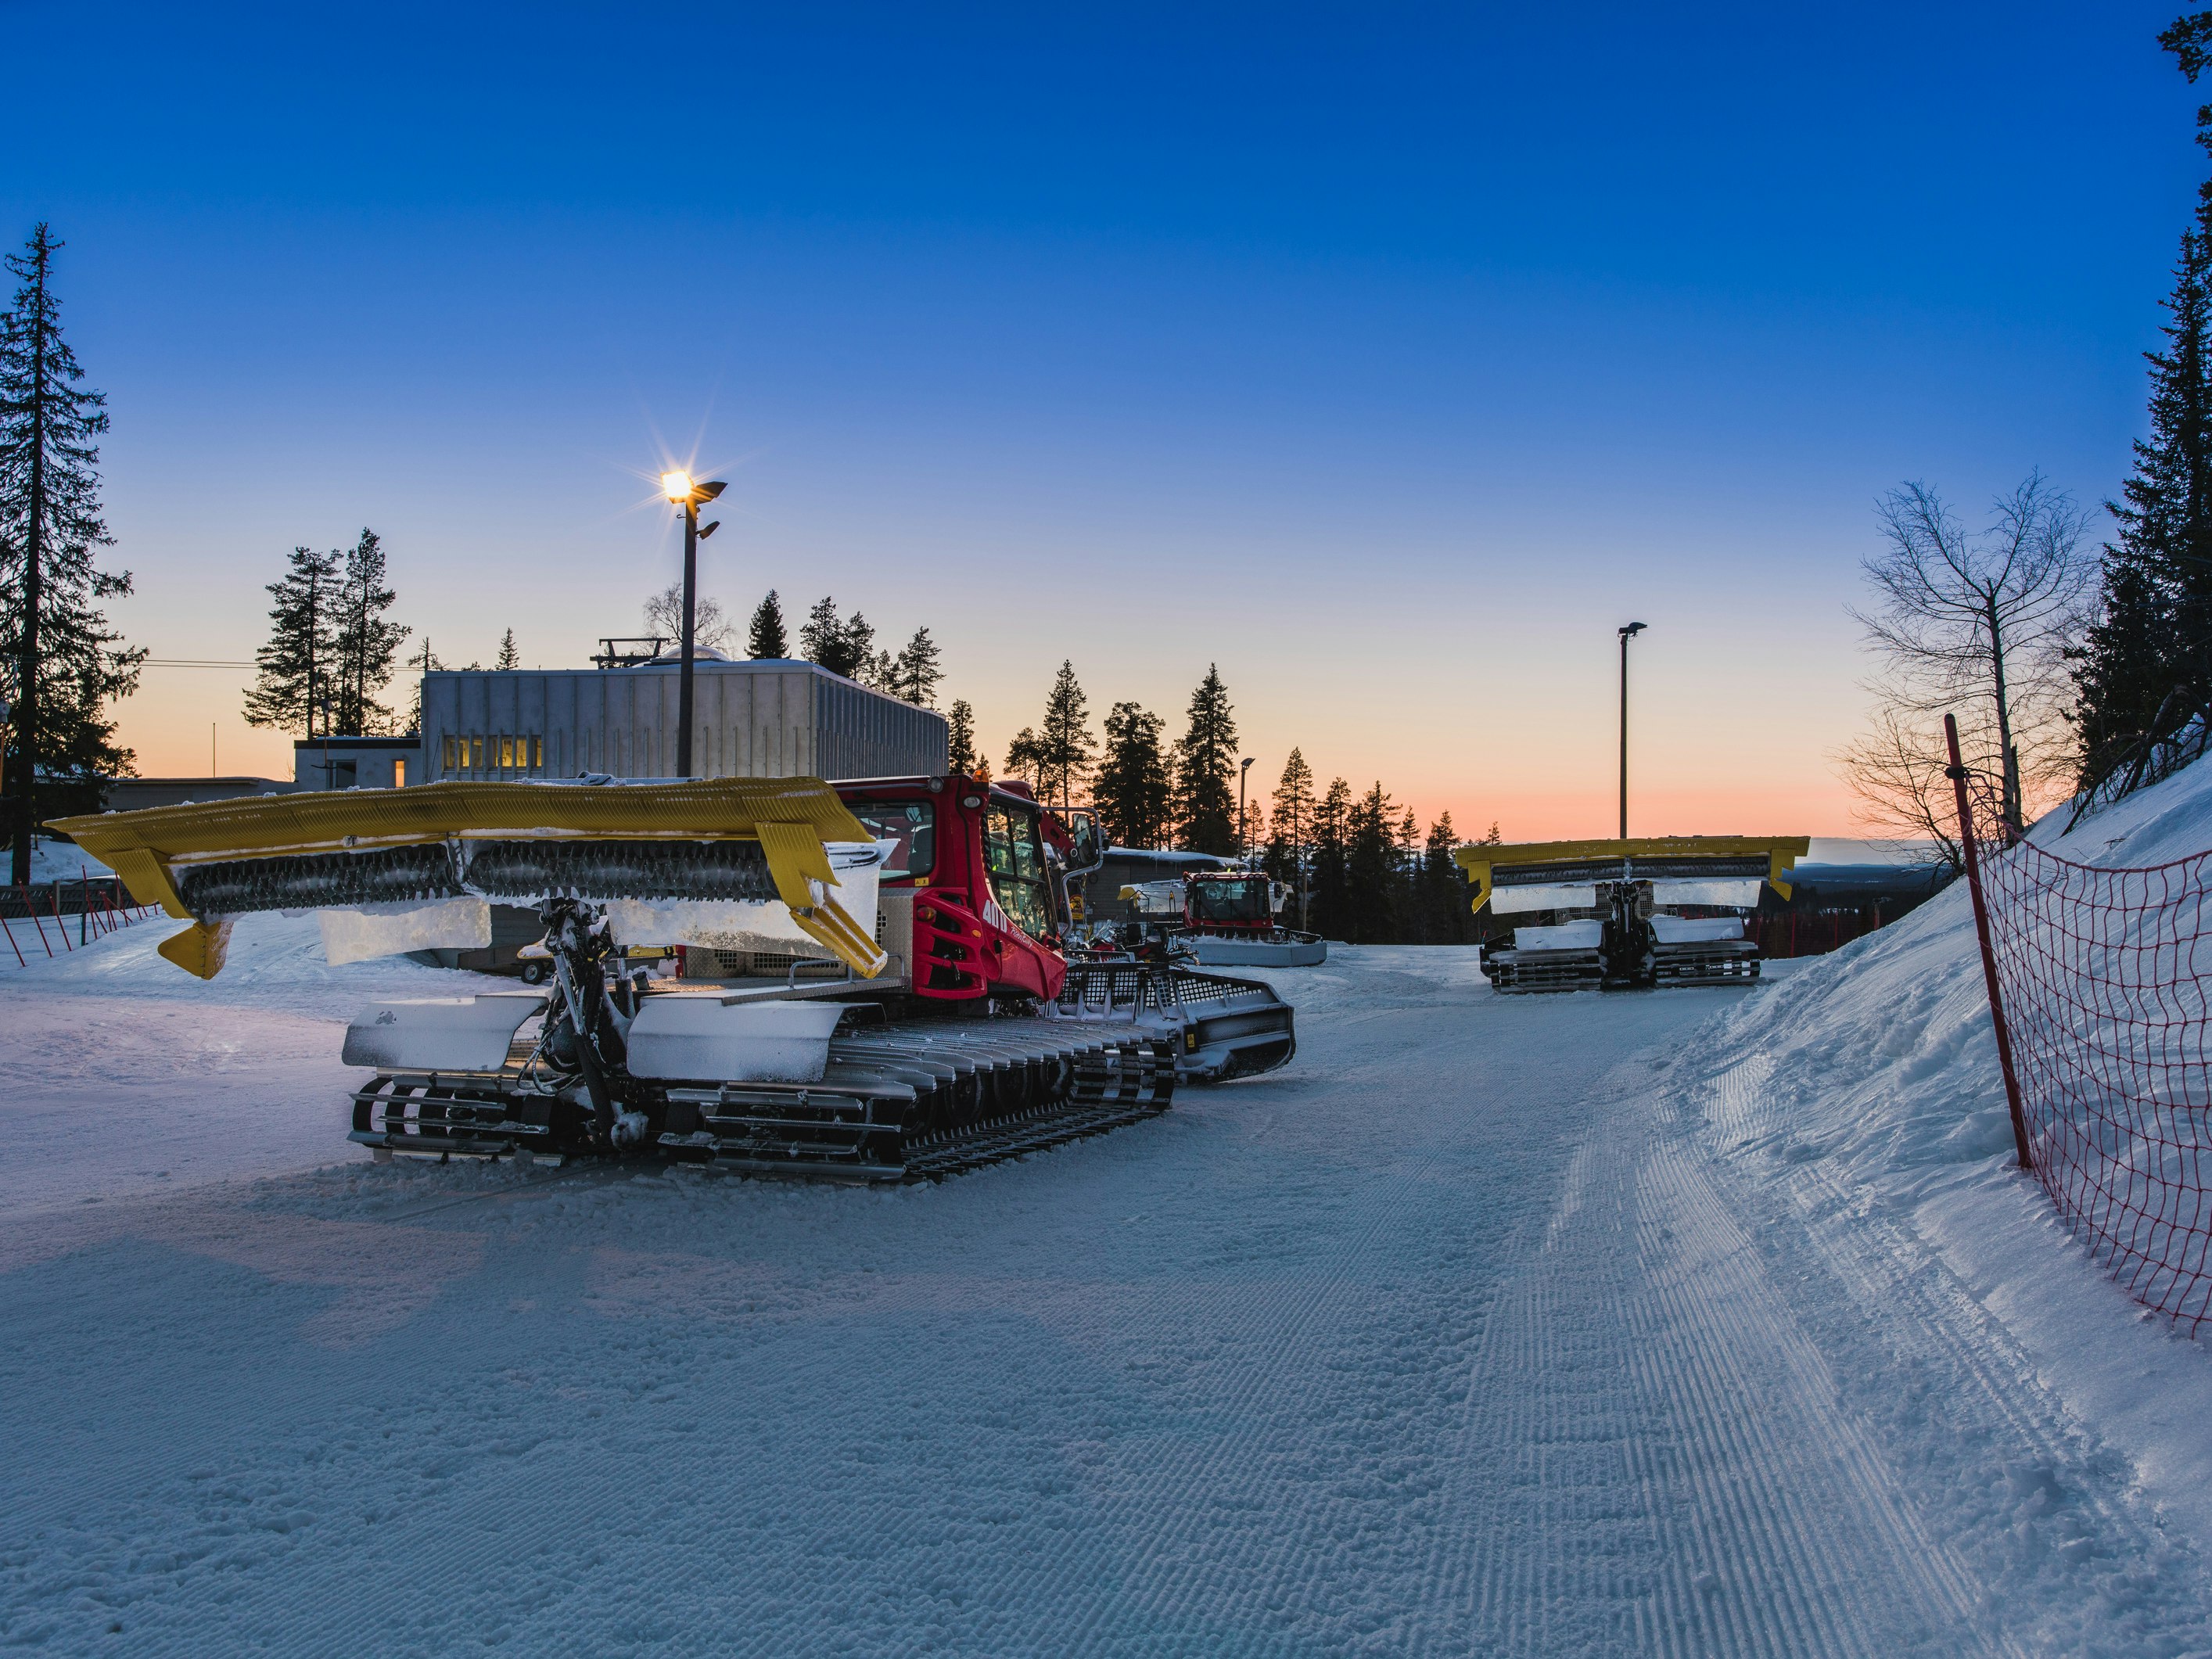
1089,851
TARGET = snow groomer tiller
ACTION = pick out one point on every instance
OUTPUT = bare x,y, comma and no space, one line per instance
1625,914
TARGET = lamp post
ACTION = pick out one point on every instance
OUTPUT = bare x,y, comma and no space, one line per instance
1244,847
1626,634
683,492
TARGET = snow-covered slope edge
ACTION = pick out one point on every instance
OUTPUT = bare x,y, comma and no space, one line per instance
1862,1092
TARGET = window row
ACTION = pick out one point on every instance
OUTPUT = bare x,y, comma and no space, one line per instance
475,753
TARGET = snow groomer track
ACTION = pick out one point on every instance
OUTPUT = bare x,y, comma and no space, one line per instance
905,1103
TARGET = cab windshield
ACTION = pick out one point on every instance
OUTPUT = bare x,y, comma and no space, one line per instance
910,823
1014,861
1242,899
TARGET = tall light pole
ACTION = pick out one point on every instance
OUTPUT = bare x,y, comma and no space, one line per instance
1243,845
681,492
1626,634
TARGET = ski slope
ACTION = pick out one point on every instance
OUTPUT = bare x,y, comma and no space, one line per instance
1685,1322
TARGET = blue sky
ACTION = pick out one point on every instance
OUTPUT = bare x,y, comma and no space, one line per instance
1389,357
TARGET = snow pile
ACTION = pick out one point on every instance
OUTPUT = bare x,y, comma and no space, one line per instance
61,860
1864,1091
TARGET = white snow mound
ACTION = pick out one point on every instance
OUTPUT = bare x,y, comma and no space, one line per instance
1864,1088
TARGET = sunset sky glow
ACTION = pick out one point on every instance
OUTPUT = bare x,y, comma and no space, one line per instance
1390,357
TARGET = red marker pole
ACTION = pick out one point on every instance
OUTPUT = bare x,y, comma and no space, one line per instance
1957,773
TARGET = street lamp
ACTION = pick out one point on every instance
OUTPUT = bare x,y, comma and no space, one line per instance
1626,634
1244,846
683,492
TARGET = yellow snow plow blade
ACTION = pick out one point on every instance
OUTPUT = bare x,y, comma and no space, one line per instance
1656,858
715,838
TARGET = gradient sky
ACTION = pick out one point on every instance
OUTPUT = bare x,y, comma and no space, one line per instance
1389,357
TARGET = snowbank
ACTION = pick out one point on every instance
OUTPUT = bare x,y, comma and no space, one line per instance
1865,1089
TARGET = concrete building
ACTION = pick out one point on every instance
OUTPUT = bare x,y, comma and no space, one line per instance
356,762
763,719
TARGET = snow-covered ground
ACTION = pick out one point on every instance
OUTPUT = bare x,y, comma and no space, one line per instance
1688,1322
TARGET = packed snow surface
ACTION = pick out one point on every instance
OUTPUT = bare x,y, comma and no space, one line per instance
1699,1321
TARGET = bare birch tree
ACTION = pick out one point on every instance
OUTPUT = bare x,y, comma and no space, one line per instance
1977,623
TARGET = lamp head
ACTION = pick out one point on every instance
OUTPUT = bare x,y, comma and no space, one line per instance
1631,630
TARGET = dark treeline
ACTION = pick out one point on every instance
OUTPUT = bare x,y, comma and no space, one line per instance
1365,871
2143,669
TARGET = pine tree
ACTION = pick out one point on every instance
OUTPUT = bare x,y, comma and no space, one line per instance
1131,788
1330,861
765,637
918,672
960,755
1206,765
294,668
367,642
509,659
66,663
1065,744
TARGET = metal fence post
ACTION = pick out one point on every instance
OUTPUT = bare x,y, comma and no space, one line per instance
1957,773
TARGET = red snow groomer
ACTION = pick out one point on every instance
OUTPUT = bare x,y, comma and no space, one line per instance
872,982
1229,918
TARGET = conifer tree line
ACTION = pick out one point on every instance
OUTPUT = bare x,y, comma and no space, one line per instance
332,648
1364,869
2143,671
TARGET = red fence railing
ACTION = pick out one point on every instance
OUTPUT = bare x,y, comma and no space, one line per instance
64,912
2099,982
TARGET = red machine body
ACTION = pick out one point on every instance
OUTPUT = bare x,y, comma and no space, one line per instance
971,899
1229,901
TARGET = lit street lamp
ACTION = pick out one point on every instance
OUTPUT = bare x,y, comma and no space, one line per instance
683,492
1626,634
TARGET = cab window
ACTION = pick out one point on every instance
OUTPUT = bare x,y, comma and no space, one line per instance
1014,860
911,824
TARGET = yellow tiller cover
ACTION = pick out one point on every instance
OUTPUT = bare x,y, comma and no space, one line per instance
1677,854
790,817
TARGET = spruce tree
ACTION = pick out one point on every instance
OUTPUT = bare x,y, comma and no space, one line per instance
765,638
1065,744
1206,770
1371,869
66,663
1288,847
295,667
1131,788
960,756
1443,896
368,641
509,659
918,672
1330,862
843,647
